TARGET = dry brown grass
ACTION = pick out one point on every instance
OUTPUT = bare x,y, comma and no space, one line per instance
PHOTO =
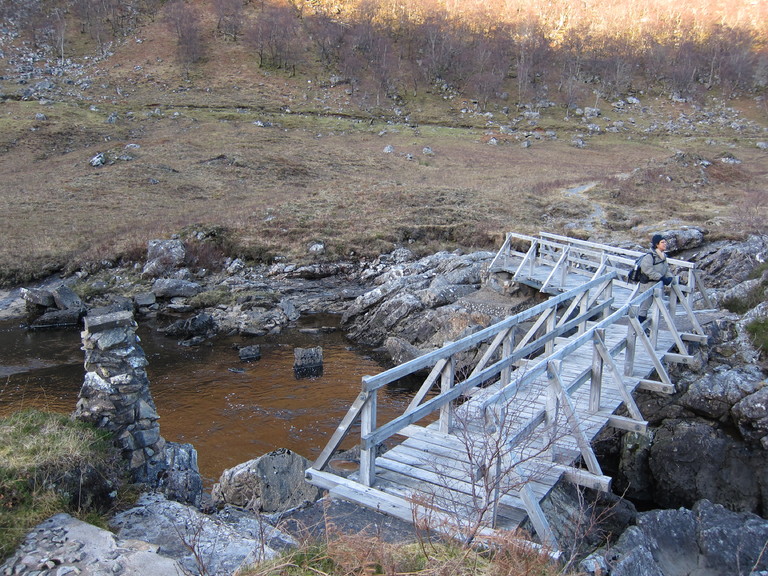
317,173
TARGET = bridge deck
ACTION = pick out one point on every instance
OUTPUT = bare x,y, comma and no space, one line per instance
491,454
439,468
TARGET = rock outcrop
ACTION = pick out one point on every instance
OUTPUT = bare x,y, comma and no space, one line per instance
202,544
418,302
64,545
707,540
706,442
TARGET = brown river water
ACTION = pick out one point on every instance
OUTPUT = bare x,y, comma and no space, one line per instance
230,411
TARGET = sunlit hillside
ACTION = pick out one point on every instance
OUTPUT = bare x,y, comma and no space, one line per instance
444,124
514,50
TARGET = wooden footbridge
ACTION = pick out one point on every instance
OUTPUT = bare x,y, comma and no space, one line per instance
504,414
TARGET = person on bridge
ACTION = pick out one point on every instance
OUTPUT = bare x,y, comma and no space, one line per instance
654,267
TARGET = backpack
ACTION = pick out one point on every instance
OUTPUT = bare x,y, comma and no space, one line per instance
636,274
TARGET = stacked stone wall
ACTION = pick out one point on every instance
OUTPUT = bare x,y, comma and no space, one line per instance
115,394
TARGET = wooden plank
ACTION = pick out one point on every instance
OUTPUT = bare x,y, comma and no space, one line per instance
629,424
654,386
587,479
678,358
698,338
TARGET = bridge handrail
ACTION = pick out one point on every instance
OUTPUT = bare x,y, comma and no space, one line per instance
620,259
429,359
533,372
391,428
370,384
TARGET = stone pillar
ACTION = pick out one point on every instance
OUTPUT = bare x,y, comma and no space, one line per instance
115,394
308,362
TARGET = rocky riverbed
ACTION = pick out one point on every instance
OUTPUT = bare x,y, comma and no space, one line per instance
703,467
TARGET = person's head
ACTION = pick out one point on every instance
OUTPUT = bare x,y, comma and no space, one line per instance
658,242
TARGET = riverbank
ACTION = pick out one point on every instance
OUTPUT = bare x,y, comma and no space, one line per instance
269,294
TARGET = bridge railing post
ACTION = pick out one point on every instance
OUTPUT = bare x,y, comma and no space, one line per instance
552,407
596,380
658,303
550,327
367,426
629,355
447,378
583,308
507,347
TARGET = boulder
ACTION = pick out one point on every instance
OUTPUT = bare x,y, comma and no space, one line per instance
38,297
64,545
58,318
308,362
751,416
693,459
181,479
583,519
271,483
202,544
163,256
686,238
66,299
145,299
708,540
250,353
401,350
715,393
199,325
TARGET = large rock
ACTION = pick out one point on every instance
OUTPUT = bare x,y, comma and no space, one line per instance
66,299
271,483
308,362
708,540
725,264
181,480
715,393
172,288
582,519
202,325
692,459
685,238
751,416
202,544
163,256
64,545
417,302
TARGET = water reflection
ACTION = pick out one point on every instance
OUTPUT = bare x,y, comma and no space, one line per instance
231,411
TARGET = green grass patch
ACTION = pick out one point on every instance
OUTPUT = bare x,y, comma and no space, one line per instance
211,298
758,330
43,457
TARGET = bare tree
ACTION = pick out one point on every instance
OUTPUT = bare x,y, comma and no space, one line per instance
184,22
327,35
230,17
275,37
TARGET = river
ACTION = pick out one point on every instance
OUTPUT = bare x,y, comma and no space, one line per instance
229,410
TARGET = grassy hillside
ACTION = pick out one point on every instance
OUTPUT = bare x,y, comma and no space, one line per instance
275,157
